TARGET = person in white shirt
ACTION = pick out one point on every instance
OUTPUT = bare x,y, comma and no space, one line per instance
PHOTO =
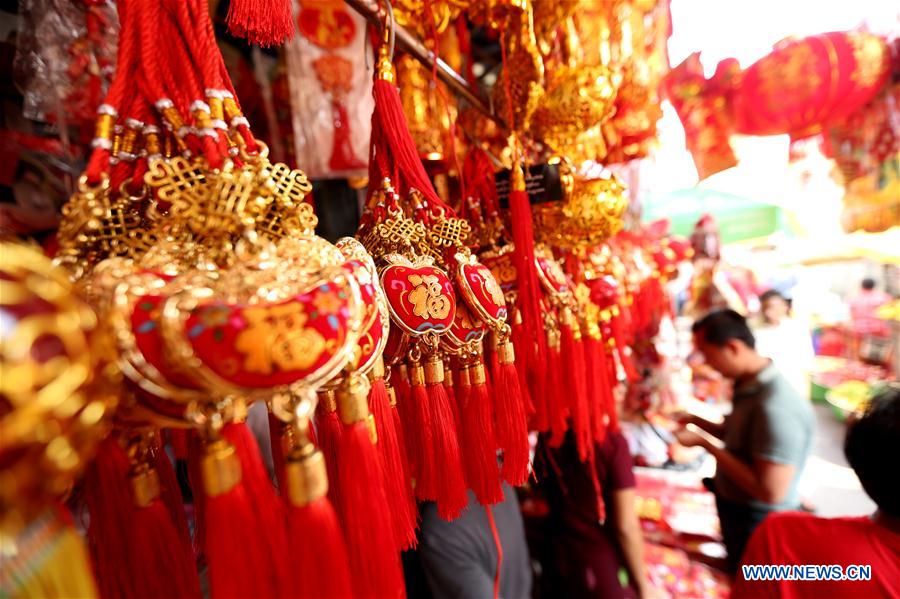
784,340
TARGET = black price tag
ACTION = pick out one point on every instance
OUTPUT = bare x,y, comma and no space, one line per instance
541,183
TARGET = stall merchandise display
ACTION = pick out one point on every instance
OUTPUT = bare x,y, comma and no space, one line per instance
409,363
839,86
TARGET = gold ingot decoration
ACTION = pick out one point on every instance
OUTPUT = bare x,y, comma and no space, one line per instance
577,100
592,212
57,385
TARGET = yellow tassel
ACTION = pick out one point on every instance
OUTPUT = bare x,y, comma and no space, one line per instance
47,560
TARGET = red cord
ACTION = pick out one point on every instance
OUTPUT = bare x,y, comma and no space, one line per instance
498,545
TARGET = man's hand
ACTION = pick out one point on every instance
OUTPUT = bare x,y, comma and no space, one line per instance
684,418
689,438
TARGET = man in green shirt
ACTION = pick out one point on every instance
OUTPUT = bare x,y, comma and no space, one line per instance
763,444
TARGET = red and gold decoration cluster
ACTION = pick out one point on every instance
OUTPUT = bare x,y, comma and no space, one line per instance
842,86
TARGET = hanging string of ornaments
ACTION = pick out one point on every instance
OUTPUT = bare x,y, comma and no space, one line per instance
407,364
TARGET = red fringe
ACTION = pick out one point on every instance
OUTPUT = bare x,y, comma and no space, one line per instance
512,429
179,440
404,461
161,564
236,553
396,477
318,553
365,514
261,22
535,354
276,433
109,500
246,542
138,551
479,446
328,435
444,473
573,354
530,384
608,364
598,385
419,434
454,401
170,493
556,409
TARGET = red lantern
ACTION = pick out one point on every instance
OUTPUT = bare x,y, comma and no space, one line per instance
805,83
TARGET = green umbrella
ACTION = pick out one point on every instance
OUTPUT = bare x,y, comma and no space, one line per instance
738,218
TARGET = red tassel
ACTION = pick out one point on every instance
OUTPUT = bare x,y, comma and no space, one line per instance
137,547
531,387
267,503
529,289
609,368
319,563
444,473
179,440
576,387
161,564
261,22
556,409
342,156
242,562
170,494
401,445
195,477
417,427
390,120
598,385
454,401
109,503
328,435
396,477
276,433
509,413
479,446
365,513
621,344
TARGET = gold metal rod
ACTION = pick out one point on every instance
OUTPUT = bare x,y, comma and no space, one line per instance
371,10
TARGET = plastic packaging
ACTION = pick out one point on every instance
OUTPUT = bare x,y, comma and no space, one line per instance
330,78
65,58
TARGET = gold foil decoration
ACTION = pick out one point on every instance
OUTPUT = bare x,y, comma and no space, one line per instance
577,99
426,117
523,73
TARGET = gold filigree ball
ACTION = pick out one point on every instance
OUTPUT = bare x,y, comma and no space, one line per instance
57,384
